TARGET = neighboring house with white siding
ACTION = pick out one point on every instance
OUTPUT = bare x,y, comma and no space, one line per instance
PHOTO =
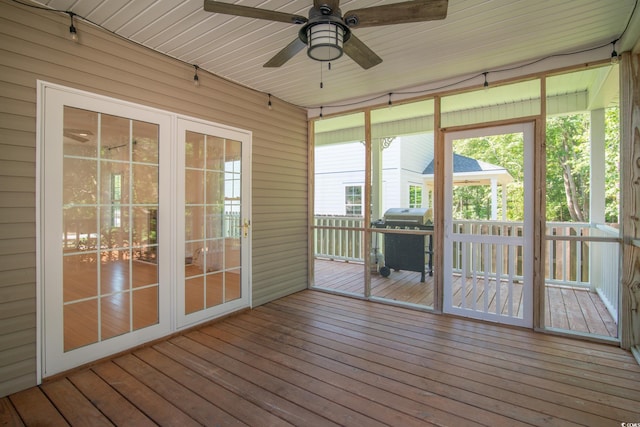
340,174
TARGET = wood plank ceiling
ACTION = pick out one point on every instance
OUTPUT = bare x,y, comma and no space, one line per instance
476,36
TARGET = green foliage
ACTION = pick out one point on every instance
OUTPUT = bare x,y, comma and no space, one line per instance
568,156
474,202
612,165
567,176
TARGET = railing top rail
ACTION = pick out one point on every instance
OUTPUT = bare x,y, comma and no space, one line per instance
568,224
488,222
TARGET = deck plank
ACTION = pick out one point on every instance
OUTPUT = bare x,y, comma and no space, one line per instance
118,409
73,405
565,308
431,407
549,348
477,368
197,407
606,318
315,358
593,321
259,393
307,392
245,411
161,411
36,409
432,378
8,415
381,404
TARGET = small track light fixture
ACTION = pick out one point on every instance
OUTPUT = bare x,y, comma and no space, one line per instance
73,33
486,83
321,112
389,103
196,79
614,55
269,103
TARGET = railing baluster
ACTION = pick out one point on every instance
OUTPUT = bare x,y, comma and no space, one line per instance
564,252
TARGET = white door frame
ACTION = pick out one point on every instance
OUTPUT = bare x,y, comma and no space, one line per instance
185,124
527,129
51,357
50,225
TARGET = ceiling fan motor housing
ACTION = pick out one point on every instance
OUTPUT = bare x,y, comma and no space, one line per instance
325,34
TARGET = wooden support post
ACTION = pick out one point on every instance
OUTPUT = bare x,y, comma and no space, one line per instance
438,206
630,200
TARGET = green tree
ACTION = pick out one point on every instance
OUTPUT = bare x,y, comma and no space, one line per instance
568,154
568,163
474,202
612,165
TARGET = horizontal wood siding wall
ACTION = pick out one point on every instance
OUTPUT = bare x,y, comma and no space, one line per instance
34,45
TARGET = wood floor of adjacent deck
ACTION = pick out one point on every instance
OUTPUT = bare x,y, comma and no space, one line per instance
318,359
566,308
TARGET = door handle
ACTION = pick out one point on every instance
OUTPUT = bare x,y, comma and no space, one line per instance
245,227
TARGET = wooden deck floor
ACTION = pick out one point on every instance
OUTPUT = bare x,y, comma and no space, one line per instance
571,309
317,359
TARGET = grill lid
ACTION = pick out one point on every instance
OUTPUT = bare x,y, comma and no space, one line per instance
408,216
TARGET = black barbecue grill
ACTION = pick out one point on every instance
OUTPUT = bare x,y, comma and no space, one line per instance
407,251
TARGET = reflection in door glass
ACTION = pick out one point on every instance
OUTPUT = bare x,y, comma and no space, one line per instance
110,237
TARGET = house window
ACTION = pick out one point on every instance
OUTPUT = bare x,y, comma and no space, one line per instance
353,199
415,196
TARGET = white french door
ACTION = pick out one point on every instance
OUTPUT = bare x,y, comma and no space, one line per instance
105,280
214,222
143,225
488,270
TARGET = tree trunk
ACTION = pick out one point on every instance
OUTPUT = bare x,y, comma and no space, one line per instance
571,192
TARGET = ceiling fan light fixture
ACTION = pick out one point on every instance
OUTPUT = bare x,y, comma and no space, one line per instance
325,40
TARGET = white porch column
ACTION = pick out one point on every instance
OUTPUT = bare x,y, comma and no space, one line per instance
504,202
597,197
494,199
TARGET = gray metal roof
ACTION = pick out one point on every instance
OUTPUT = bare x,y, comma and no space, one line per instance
463,164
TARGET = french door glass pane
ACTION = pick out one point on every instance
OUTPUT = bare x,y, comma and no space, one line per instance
110,241
212,221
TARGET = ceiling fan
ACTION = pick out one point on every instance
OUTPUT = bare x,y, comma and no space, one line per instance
327,33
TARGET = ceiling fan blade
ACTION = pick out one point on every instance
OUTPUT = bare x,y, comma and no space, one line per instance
397,13
252,12
286,54
360,53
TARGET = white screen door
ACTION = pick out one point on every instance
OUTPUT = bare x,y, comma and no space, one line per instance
488,224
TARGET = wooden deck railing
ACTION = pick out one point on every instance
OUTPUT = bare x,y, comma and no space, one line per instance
585,255
577,254
339,237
